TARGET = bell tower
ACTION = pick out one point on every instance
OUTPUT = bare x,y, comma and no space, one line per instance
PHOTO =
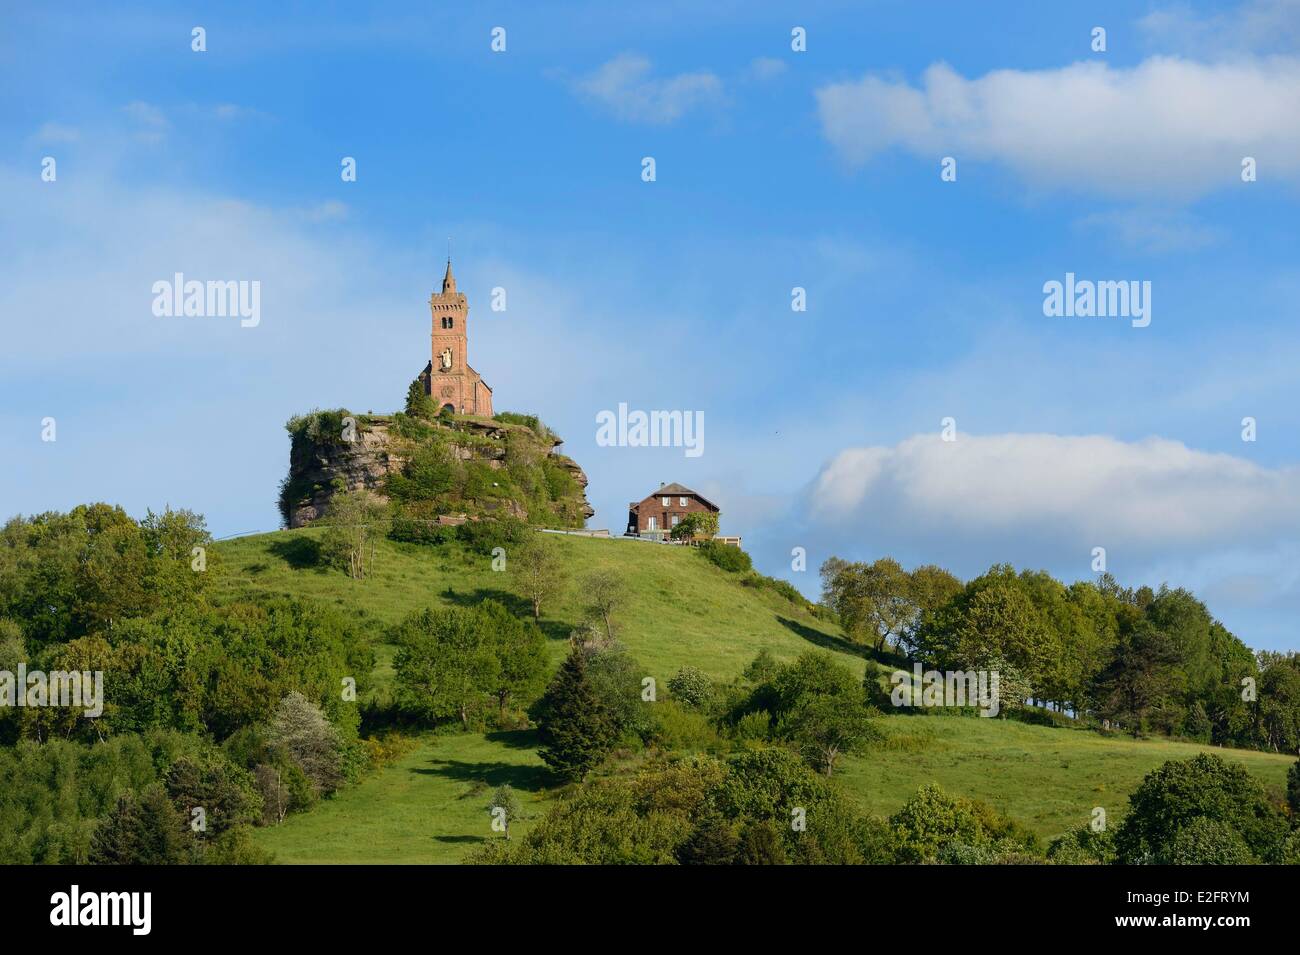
449,379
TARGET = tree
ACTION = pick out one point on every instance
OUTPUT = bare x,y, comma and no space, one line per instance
299,729
141,829
825,727
520,649
605,594
505,807
1140,676
538,572
930,588
699,524
873,601
1293,788
225,793
691,686
446,663
575,727
1205,841
353,522
419,404
1204,787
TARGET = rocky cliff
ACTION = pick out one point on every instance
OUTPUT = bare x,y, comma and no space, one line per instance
446,467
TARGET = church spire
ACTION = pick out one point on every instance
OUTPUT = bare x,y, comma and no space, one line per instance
448,280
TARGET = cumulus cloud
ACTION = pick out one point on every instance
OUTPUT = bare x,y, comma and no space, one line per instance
1168,126
627,87
1043,498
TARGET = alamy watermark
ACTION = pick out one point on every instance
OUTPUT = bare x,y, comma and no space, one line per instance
654,429
1083,298
213,299
62,688
980,688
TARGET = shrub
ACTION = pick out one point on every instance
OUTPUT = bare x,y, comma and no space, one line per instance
691,687
932,820
731,559
482,536
677,729
1204,841
1083,846
699,524
1205,786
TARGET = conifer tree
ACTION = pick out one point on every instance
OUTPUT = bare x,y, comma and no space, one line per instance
576,728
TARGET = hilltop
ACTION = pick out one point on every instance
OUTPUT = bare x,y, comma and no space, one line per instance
428,806
433,466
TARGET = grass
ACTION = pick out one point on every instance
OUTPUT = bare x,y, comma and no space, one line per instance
681,609
431,806
1049,779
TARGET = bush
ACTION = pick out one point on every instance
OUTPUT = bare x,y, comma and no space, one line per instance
678,729
1205,786
412,526
782,587
1205,841
482,536
730,558
691,687
932,820
1083,846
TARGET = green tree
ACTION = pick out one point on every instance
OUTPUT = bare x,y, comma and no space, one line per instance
699,524
446,663
419,404
1140,678
142,829
299,729
538,572
873,601
605,594
354,521
1205,841
505,807
827,727
575,727
520,650
1293,788
1207,787
691,686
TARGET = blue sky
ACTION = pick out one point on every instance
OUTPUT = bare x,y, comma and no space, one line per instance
775,169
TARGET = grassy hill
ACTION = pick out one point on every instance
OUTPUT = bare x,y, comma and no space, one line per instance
431,806
682,609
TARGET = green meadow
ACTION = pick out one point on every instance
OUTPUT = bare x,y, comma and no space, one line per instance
430,806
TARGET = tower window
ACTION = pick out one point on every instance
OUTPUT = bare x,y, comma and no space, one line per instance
448,321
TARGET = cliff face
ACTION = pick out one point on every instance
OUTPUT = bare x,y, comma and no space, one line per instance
466,466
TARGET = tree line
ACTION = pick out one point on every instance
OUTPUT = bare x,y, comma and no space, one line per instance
1147,660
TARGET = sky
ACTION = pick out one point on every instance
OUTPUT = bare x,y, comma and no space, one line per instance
775,169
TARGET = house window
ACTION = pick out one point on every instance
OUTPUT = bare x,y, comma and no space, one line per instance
681,501
666,501
676,518
652,525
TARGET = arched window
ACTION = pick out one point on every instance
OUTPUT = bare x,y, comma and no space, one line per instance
448,321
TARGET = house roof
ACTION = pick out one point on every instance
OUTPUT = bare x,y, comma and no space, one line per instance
675,490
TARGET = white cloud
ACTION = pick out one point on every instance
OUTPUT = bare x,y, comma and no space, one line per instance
625,85
766,67
1257,26
1044,497
1168,126
1152,229
57,133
